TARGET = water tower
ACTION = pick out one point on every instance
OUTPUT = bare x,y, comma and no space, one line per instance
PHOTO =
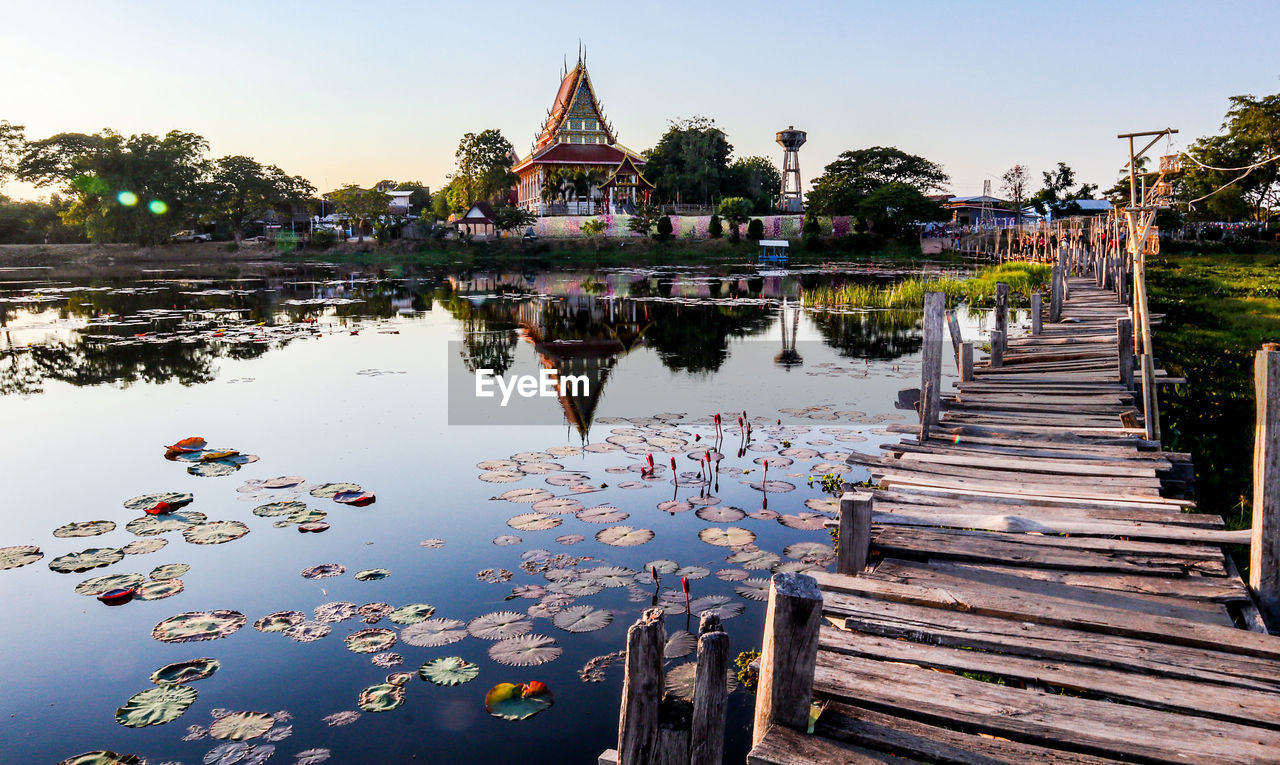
791,140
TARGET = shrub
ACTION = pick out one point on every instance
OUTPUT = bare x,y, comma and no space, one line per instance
755,229
594,227
715,229
664,228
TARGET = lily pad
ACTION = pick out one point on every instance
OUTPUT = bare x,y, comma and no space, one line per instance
720,514
499,625
497,465
170,571
449,671
624,536
156,706
506,540
354,498
313,756
731,575
151,525
511,701
610,576
324,571
810,552
329,490
820,505
570,539
727,537
494,576
661,566
215,532
175,500
215,469
86,560
84,529
603,514
279,621
341,718
557,506
373,612
193,626
680,644
582,619
525,650
502,476
387,659
338,611
432,633
534,522
284,482
412,613
804,521
371,640
680,680
103,757
190,444
525,495
18,556
239,726
307,632
720,605
372,574
183,672
144,546
275,509
100,584
432,544
753,589
382,697
674,506
158,589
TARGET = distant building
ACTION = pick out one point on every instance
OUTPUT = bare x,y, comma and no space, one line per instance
478,220
970,211
1083,207
577,140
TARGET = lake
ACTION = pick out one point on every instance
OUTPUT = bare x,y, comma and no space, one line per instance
523,540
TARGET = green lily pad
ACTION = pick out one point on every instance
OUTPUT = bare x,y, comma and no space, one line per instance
279,621
525,650
680,681
328,490
582,619
214,532
411,614
731,536
274,509
169,571
323,571
144,546
433,633
512,701
449,670
372,574
156,706
182,672
213,469
18,556
301,516
150,525
624,536
239,726
103,757
84,529
86,560
158,589
382,697
500,625
371,640
100,584
174,499
193,626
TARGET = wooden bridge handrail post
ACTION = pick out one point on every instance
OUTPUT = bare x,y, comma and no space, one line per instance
642,687
966,362
931,362
855,533
953,326
1124,350
788,655
1002,314
710,695
1055,295
996,359
1037,318
1264,550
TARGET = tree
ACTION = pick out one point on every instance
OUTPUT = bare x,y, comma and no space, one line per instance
419,198
1014,184
855,174
811,229
447,201
484,167
644,219
360,205
510,218
756,179
137,189
735,211
594,227
755,229
1251,137
12,141
690,161
894,206
715,229
664,228
1056,196
240,189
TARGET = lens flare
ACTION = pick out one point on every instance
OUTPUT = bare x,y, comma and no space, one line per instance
158,207
127,198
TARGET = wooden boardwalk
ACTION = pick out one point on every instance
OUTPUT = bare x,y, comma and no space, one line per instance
1038,589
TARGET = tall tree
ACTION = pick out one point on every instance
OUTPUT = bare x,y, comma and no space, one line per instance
1014,184
484,167
1056,194
241,189
894,206
419,198
12,141
856,174
735,211
756,179
690,161
360,205
1251,137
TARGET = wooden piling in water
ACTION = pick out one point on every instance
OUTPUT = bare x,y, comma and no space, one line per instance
931,361
1055,295
1037,321
642,687
855,533
997,349
710,694
1002,314
966,362
788,655
1264,550
953,326
1124,351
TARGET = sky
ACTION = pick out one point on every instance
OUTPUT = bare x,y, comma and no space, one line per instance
343,92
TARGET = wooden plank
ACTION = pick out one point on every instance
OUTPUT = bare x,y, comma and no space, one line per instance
926,624
1080,724
1101,494
1022,500
1038,465
780,745
912,500
1146,485
1077,608
1264,558
1240,705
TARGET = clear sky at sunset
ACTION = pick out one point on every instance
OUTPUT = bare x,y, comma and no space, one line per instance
346,92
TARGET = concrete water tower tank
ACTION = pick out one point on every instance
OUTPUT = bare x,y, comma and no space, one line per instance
792,199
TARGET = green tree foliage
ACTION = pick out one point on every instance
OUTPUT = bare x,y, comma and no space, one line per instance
690,162
484,167
511,218
715,229
734,211
419,199
856,174
594,227
12,141
360,205
1056,194
644,219
240,189
664,228
756,179
755,230
138,188
894,206
447,201
1251,136
37,222
1015,184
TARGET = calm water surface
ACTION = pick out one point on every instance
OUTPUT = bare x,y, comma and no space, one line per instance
329,375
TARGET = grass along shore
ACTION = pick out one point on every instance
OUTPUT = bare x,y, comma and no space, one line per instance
978,291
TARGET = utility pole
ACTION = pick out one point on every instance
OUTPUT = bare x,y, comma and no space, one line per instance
1139,217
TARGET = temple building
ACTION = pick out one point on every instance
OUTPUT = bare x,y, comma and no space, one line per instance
577,166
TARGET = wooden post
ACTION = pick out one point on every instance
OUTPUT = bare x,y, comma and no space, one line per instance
1150,403
1122,273
642,688
953,326
1002,314
931,362
855,533
710,695
966,362
1055,295
1264,549
788,655
1037,321
1124,353
997,349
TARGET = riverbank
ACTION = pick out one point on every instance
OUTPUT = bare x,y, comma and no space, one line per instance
977,291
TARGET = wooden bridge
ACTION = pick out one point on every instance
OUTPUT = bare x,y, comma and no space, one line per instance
1027,581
